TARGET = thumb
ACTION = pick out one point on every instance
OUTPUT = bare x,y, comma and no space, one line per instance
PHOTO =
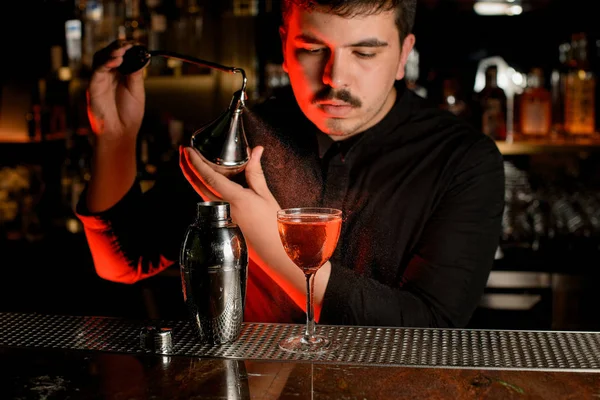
135,83
254,172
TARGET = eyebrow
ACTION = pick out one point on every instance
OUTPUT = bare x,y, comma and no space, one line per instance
371,42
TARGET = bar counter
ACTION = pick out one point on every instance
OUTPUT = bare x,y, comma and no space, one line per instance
84,357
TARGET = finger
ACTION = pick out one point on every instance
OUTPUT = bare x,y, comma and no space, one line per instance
191,177
192,168
120,52
254,172
111,64
104,55
110,56
217,183
135,80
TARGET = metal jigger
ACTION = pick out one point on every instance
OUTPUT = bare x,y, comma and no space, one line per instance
222,142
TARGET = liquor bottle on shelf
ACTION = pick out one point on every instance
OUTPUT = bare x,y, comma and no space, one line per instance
580,118
186,37
452,99
558,80
57,93
73,35
148,157
92,16
535,106
38,116
412,73
134,23
157,36
75,173
492,103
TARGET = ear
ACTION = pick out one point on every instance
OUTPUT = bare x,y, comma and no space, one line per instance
407,46
283,37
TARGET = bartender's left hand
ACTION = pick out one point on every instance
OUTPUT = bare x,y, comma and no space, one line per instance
254,209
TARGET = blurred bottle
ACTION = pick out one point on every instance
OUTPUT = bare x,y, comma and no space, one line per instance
412,73
134,25
558,84
535,106
492,102
580,118
452,99
38,116
157,32
517,229
147,167
112,17
75,173
73,36
188,29
57,92
92,13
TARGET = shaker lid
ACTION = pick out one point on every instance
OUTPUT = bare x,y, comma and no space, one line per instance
214,210
156,339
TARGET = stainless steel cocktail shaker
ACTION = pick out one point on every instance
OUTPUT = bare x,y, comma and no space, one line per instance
214,267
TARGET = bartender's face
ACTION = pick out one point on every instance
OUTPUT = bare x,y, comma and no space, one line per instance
342,70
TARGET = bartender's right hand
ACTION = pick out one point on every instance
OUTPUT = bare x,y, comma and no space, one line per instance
115,102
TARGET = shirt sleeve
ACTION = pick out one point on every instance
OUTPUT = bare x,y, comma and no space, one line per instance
140,235
449,267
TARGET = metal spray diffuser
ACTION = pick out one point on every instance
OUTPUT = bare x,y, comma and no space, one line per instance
222,142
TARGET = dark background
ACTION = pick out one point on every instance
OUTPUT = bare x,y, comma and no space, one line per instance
450,36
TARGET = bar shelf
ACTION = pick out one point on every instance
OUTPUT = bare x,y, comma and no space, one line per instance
522,145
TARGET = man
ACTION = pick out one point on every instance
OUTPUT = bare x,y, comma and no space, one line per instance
421,191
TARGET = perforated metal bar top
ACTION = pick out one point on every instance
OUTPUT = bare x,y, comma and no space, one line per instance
415,347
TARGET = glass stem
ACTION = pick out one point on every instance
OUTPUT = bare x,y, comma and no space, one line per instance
310,316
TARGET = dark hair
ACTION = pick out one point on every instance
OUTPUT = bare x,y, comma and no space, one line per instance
405,10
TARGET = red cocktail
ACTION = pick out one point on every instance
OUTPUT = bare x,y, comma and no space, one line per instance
309,237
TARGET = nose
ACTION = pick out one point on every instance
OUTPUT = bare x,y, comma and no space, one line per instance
335,73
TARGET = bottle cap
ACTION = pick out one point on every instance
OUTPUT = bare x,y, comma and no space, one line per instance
156,339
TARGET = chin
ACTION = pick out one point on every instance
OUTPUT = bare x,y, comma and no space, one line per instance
337,134
330,129
339,128
335,127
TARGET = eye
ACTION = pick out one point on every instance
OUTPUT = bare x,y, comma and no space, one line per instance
360,54
312,50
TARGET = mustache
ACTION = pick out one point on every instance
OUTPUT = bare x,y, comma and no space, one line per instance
328,93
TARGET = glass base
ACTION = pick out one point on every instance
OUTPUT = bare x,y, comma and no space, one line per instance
301,344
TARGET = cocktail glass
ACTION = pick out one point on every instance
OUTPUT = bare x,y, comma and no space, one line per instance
309,237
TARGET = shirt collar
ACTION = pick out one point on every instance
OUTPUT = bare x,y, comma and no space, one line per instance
325,142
